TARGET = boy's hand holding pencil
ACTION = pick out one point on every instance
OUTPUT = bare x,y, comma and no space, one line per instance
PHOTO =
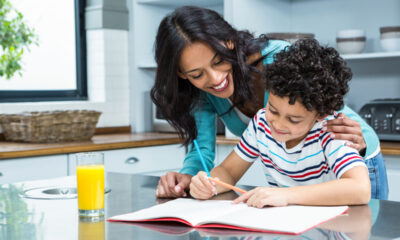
202,185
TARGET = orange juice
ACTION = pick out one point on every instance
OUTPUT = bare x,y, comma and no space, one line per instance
90,182
91,230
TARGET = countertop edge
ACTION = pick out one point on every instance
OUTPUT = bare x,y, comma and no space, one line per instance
9,150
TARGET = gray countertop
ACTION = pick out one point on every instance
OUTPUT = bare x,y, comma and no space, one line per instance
38,219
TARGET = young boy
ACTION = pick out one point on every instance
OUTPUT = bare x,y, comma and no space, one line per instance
303,163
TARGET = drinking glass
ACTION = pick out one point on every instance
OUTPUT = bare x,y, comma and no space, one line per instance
90,183
89,229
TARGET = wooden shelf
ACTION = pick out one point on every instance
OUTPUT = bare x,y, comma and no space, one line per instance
376,55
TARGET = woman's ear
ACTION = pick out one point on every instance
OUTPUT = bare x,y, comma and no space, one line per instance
230,45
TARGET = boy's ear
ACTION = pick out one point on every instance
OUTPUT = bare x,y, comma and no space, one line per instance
321,118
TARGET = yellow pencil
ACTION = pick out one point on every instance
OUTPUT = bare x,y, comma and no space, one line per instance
227,185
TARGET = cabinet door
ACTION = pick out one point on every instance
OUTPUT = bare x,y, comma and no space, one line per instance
158,159
34,168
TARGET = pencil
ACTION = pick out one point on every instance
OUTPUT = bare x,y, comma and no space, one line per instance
201,157
227,185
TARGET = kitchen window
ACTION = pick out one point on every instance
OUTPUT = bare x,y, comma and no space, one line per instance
55,69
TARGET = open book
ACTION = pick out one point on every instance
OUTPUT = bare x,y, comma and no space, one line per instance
292,219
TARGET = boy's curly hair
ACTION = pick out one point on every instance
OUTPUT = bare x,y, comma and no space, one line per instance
310,73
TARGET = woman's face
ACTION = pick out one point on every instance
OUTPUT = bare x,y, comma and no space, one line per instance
201,65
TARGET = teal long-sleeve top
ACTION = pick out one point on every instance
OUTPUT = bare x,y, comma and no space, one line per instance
212,106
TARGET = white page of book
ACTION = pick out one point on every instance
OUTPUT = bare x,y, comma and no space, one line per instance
293,219
191,210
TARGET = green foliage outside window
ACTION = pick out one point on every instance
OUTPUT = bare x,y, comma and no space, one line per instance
15,36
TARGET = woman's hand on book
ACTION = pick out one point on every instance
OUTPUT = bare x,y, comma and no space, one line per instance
173,184
201,187
265,196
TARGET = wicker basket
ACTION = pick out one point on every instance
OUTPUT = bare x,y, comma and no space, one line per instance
49,126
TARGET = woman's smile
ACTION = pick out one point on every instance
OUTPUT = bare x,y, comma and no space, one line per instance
222,86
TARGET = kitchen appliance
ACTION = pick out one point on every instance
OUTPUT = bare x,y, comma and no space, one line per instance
162,125
383,115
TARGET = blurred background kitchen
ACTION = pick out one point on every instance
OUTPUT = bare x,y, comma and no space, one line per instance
98,55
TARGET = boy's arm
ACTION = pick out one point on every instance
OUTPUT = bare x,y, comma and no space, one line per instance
230,171
353,188
352,185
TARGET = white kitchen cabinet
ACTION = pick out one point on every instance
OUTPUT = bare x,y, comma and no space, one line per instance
33,168
154,160
393,173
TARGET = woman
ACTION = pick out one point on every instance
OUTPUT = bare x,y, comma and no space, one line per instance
207,68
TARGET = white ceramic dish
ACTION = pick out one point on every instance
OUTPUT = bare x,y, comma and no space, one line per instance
350,33
291,37
390,44
350,47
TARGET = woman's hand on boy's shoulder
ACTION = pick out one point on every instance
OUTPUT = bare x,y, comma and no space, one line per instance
345,128
265,196
173,184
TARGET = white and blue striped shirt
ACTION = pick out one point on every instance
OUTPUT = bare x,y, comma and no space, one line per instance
317,158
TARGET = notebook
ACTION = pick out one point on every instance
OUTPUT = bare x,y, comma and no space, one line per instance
293,219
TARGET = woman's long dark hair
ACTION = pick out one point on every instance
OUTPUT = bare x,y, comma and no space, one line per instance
176,98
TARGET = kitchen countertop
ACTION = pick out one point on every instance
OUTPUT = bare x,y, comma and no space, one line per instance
97,143
26,218
119,141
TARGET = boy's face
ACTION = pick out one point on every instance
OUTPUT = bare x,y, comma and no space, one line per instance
289,123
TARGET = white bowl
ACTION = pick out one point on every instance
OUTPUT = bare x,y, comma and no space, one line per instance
350,33
350,47
390,44
291,37
390,35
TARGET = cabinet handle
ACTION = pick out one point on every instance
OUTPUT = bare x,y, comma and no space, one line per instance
132,160
1,174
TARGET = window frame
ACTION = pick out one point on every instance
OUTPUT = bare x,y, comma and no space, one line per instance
81,92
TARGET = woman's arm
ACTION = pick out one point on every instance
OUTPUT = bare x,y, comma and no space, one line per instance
175,184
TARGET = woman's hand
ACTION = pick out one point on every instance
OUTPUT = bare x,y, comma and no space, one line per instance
265,196
173,184
347,129
201,187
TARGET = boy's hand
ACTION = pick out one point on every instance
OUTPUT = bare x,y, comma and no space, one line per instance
265,196
347,129
201,187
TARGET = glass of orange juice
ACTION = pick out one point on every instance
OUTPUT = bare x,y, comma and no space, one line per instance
90,183
89,229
